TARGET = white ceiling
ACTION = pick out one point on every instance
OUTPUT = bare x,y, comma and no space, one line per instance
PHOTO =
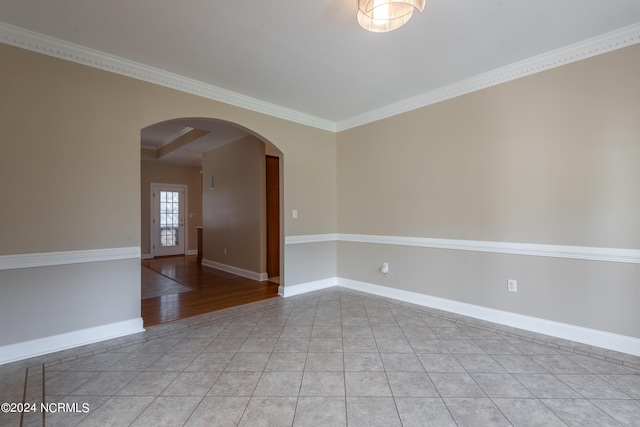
311,57
161,134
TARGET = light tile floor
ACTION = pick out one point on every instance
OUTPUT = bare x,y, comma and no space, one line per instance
329,358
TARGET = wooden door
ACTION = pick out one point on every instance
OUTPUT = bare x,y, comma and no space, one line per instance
273,216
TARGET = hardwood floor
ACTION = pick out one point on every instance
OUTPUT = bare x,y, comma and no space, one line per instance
211,290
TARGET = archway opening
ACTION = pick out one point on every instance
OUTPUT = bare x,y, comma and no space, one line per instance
231,224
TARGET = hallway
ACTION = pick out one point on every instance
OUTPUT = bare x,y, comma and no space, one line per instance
210,289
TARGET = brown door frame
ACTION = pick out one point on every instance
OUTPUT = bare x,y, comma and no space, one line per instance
273,215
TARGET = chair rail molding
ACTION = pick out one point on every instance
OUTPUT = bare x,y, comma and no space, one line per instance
630,256
44,259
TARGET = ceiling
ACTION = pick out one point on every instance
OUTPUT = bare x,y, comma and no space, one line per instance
162,134
311,57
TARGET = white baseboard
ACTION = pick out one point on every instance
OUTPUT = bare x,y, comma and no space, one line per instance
594,337
40,346
188,252
610,341
289,291
253,275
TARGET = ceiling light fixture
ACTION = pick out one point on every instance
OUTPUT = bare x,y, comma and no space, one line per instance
381,16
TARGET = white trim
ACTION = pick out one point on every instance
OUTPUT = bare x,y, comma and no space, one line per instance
629,256
189,252
40,346
41,43
598,45
621,343
47,45
43,259
253,275
303,288
602,339
310,238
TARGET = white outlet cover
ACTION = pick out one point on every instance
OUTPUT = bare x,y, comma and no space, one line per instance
512,285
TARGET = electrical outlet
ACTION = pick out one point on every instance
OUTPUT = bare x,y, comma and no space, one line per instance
225,251
512,285
385,268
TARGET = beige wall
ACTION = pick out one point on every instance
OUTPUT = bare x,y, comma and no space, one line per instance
591,294
69,165
71,141
164,173
70,173
551,159
235,209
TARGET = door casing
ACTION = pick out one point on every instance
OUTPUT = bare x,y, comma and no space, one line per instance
156,249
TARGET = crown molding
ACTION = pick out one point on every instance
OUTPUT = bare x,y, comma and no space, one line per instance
41,43
598,45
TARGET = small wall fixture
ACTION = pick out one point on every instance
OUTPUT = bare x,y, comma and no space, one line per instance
211,185
381,16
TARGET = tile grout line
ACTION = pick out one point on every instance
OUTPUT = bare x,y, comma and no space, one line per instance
265,310
266,315
24,393
43,396
419,310
457,320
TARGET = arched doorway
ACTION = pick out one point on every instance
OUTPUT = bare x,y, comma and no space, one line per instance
230,182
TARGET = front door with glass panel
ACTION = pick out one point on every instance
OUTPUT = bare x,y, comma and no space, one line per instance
167,219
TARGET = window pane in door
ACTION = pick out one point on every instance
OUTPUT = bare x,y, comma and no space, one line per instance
169,217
